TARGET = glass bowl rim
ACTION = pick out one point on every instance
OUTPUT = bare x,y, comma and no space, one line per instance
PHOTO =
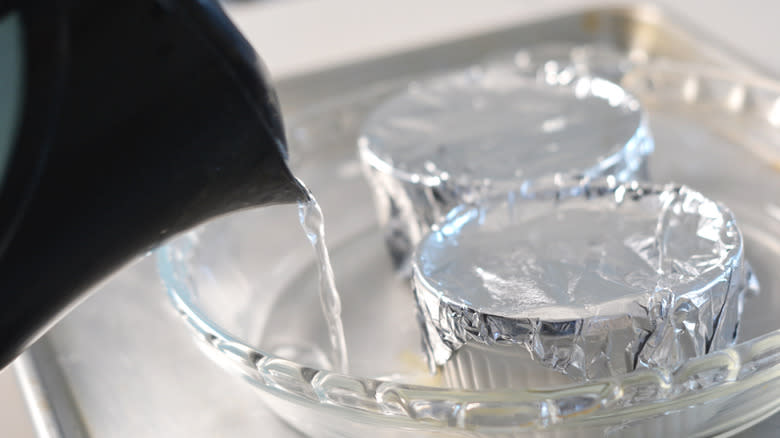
737,368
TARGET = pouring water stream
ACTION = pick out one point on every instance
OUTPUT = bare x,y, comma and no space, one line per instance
311,218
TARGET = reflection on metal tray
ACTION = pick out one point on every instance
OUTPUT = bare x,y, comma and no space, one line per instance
137,373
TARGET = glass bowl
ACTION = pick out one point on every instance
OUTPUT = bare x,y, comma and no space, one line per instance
246,284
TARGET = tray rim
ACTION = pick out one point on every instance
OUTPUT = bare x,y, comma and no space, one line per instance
608,395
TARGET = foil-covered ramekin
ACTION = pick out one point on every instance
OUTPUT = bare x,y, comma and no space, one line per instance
482,366
600,281
454,138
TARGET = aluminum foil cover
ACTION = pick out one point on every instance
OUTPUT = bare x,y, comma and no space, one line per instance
516,122
604,280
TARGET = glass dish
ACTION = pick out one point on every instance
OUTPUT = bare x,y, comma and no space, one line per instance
239,287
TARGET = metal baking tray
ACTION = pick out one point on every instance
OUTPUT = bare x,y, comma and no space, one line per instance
122,364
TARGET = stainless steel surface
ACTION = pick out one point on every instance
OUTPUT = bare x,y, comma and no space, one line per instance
141,376
212,277
135,372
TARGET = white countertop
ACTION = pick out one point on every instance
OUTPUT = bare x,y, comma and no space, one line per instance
296,36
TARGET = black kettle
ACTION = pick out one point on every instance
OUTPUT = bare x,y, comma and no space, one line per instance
123,123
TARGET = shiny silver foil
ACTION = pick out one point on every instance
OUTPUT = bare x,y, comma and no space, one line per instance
518,122
605,279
